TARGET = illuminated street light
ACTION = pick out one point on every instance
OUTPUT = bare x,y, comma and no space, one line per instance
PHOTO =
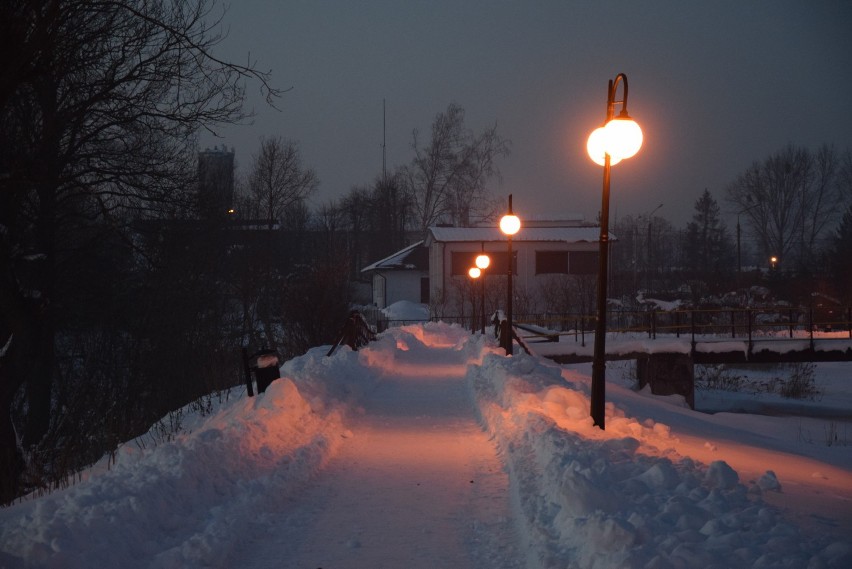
619,138
595,147
482,263
474,274
509,225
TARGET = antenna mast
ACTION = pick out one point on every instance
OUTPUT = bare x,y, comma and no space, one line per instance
384,136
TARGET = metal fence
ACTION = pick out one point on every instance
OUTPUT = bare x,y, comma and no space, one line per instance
721,322
729,322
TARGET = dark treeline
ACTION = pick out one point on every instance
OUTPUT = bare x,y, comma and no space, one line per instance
100,103
126,290
795,207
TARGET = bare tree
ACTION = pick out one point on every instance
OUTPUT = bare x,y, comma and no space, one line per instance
100,103
839,252
844,178
789,200
329,226
447,178
278,180
390,215
568,294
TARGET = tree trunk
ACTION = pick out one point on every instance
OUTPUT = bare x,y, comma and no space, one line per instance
41,350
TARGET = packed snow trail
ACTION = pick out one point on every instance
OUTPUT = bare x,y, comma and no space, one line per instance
416,484
374,459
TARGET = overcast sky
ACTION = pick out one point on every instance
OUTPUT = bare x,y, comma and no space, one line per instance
715,85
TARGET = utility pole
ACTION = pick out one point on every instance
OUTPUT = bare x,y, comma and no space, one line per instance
384,140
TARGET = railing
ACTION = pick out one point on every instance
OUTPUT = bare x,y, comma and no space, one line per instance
746,323
356,332
721,322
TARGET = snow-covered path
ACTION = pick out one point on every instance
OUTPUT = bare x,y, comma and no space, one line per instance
416,484
397,456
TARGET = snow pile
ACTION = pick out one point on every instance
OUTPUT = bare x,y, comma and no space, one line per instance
625,497
181,504
657,304
407,311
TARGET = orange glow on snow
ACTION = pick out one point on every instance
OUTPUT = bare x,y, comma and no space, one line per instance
431,338
803,479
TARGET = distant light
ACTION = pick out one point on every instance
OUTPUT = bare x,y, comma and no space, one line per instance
474,272
482,261
510,224
231,211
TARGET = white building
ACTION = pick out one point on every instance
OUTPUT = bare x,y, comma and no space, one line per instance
546,254
401,276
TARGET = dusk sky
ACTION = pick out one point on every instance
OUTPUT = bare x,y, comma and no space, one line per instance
714,85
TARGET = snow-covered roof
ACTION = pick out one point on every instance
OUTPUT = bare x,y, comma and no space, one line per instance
412,257
564,234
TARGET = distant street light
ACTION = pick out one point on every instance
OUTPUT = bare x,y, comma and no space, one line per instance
509,225
619,138
474,273
482,263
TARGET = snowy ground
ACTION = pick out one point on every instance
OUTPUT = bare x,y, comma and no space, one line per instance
429,448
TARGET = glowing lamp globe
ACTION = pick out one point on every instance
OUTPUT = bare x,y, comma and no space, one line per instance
482,261
474,272
510,224
596,147
623,137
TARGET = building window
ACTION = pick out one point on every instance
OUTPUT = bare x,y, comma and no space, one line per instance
462,261
583,262
498,263
551,262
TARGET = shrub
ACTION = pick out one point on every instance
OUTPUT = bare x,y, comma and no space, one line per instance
802,383
718,377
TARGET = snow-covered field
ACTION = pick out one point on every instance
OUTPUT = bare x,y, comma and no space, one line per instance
663,486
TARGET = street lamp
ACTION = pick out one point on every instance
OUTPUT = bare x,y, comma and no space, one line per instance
509,225
619,138
482,263
474,273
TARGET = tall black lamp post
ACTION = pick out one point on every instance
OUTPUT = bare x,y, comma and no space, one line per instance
475,273
619,137
482,263
509,225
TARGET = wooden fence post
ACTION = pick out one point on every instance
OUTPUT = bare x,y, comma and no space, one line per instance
247,370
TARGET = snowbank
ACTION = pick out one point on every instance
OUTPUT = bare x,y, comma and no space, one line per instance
407,311
181,503
626,497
